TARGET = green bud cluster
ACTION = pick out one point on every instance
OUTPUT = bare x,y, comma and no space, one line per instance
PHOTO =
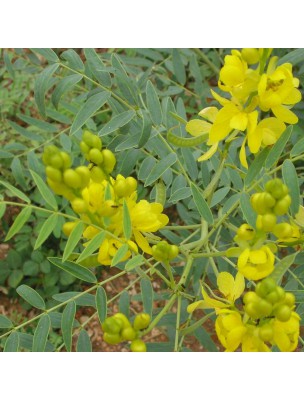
270,204
124,187
164,251
63,179
102,161
118,329
269,301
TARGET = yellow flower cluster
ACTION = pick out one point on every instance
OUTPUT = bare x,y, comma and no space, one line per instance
100,200
266,319
252,91
255,258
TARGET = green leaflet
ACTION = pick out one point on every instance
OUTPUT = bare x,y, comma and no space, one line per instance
20,220
93,104
31,296
101,304
44,190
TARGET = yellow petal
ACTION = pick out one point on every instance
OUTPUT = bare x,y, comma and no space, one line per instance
243,158
258,257
196,127
212,303
209,113
284,114
234,338
221,127
219,98
209,153
225,283
142,242
293,97
239,286
239,121
195,305
243,258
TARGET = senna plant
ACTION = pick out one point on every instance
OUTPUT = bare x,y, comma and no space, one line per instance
215,219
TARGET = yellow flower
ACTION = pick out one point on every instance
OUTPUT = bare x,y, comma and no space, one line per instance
146,217
230,329
197,127
231,289
236,78
94,195
278,89
109,248
286,334
256,264
266,133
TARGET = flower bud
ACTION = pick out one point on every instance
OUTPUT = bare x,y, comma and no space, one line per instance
245,232
283,230
66,159
109,160
268,222
111,338
84,174
282,312
138,346
97,175
95,156
71,178
128,334
141,321
79,205
68,227
251,56
121,317
56,161
282,205
53,173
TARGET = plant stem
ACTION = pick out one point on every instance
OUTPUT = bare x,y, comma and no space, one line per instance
178,314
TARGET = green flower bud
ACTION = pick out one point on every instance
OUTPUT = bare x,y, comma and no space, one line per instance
251,56
250,297
53,173
71,179
245,232
282,205
66,159
111,338
112,325
88,138
95,156
282,230
109,160
56,161
120,188
128,334
268,222
97,175
138,346
264,308
84,147
289,299
141,321
282,313
121,317
85,175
